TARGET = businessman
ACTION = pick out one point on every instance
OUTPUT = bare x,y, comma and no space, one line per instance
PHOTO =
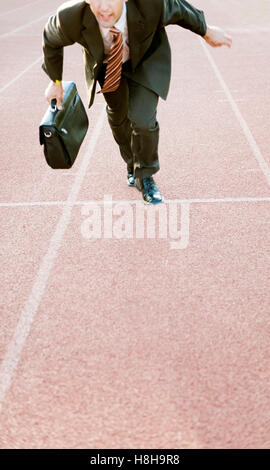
126,50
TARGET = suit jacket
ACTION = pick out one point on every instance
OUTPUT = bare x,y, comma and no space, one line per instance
150,54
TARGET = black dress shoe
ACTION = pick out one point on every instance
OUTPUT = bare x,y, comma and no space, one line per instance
149,189
130,179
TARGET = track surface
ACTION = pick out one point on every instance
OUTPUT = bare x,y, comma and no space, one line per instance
135,342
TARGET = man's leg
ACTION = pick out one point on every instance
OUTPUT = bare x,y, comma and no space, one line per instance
144,140
117,114
145,129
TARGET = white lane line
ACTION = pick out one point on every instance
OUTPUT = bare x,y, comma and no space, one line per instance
13,353
19,8
136,201
14,31
252,142
29,204
20,74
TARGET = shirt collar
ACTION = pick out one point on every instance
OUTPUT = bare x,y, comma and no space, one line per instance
120,24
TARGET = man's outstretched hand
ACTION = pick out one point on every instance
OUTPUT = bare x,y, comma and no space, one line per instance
216,37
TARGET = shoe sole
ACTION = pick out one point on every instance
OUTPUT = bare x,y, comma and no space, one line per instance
153,203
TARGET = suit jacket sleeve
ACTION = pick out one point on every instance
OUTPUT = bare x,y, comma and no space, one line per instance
184,14
54,40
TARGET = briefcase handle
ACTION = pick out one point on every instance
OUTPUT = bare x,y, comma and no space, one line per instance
53,105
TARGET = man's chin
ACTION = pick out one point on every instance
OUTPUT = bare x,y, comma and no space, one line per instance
106,23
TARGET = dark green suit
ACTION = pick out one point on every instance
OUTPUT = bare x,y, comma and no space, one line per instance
150,56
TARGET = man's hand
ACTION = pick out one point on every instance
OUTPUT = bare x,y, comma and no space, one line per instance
55,91
216,37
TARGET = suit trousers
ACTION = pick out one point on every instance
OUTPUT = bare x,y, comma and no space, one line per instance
131,112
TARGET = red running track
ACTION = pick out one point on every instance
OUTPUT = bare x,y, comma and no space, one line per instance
136,342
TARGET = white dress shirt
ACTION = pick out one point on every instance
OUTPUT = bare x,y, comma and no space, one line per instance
121,24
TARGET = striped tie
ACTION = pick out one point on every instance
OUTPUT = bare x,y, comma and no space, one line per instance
114,65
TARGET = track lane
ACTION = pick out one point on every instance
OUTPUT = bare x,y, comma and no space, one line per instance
174,359
24,17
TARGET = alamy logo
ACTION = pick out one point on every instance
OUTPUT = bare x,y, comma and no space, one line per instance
133,220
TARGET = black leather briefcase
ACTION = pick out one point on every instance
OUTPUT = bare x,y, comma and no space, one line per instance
62,131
